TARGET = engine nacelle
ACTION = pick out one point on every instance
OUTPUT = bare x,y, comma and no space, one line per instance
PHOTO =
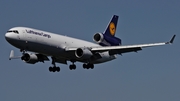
99,38
83,53
30,58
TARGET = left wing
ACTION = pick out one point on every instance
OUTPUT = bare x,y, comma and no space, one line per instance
128,48
123,49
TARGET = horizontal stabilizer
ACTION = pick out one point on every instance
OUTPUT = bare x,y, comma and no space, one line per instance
12,55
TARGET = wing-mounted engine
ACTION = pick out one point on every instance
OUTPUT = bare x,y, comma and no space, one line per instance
106,40
83,53
33,58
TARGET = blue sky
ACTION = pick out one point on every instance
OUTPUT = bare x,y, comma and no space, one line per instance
151,74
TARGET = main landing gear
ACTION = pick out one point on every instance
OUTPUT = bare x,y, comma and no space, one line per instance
54,68
88,66
72,67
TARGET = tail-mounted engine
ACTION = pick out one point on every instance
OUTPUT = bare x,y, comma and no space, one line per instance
106,40
83,53
99,38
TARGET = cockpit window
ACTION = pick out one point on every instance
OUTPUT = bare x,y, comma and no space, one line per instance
15,31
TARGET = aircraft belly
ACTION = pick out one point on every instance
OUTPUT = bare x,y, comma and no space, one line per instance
96,59
104,59
45,49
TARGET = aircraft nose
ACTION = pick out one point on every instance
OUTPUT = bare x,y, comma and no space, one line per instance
8,36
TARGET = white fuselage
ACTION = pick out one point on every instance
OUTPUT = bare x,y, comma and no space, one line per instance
50,44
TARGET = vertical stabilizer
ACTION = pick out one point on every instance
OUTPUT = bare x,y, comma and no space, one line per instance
108,37
111,28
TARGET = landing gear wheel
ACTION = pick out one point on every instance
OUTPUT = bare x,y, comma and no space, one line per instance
84,66
57,69
50,69
91,66
74,67
87,66
71,67
54,69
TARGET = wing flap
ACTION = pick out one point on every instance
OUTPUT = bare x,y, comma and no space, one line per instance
120,51
127,48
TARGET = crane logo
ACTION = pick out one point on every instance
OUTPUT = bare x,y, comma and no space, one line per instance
112,28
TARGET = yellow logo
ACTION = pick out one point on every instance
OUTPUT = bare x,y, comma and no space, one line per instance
112,28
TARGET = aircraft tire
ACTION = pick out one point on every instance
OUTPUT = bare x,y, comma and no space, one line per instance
88,66
71,67
74,67
54,69
58,69
85,66
50,69
91,66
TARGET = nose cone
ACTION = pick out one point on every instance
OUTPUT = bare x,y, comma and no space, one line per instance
9,36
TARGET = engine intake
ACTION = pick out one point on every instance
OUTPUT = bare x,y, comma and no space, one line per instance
30,58
106,40
83,53
99,38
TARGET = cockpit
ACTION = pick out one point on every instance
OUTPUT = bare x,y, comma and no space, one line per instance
15,31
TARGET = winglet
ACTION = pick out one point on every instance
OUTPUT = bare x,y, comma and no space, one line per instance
172,40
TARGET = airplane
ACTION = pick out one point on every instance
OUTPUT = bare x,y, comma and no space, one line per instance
37,46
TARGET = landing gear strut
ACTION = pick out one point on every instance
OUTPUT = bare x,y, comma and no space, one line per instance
23,51
73,66
54,68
